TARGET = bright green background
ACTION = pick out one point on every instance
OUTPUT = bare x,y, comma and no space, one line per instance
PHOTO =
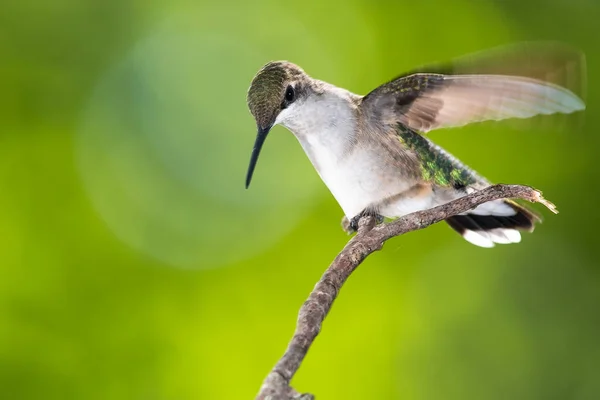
133,264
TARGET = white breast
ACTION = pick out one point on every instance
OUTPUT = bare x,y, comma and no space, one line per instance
325,126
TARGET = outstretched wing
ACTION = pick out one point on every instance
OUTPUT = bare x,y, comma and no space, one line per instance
458,95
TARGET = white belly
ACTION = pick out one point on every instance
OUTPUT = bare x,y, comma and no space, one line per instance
361,179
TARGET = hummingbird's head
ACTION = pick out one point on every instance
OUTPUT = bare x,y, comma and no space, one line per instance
275,87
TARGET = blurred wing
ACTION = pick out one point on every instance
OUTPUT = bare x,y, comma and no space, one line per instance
450,101
427,101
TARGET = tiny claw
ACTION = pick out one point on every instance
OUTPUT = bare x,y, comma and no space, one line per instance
353,225
354,222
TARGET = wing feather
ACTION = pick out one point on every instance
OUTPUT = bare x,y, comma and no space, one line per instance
463,99
518,81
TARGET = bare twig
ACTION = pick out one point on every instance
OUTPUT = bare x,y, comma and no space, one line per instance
370,238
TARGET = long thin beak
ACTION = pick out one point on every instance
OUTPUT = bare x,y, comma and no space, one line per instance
260,139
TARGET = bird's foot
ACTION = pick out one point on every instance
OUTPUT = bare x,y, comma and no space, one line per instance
346,225
350,226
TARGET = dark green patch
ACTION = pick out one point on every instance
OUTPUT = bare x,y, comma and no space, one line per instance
436,165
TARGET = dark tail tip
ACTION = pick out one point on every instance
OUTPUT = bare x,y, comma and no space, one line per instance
495,228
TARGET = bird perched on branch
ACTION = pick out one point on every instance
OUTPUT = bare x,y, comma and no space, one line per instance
372,153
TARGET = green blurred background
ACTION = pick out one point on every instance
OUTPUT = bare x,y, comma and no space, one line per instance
134,265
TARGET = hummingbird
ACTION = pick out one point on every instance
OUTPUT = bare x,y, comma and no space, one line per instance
373,152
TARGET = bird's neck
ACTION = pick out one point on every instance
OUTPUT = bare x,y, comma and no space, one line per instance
326,126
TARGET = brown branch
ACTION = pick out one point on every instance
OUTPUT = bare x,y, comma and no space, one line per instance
369,239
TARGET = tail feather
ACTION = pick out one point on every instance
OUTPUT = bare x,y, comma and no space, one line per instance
493,223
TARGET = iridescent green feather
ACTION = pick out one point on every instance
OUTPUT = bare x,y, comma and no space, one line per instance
436,165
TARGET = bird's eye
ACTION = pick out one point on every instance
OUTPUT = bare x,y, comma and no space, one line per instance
289,94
